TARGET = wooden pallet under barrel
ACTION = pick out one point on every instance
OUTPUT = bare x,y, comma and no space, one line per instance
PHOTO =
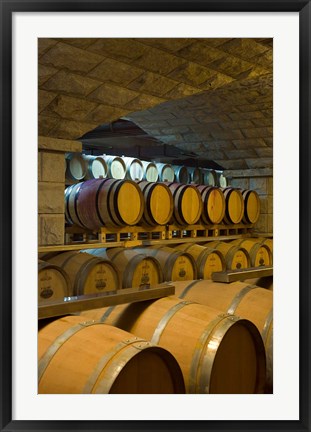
197,231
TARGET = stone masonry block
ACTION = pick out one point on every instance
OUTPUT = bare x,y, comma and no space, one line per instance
270,223
262,224
192,74
45,73
71,83
51,229
70,108
69,129
152,83
116,72
242,183
111,94
263,204
51,197
158,61
51,167
119,48
270,185
260,185
258,132
270,204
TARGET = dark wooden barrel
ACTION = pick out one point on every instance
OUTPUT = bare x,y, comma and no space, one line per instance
187,203
245,300
217,353
75,169
236,258
77,356
214,204
208,260
234,205
196,175
87,274
176,265
53,283
134,269
182,174
158,208
108,202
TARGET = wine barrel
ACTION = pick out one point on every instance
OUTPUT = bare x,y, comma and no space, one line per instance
263,282
166,172
151,173
87,274
214,204
116,167
251,206
245,300
210,178
158,208
134,168
76,356
135,269
187,203
260,254
96,167
107,202
235,257
75,169
222,180
268,242
175,265
217,353
182,174
196,175
234,205
69,203
208,260
53,283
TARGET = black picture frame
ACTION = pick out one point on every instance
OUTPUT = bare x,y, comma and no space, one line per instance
7,9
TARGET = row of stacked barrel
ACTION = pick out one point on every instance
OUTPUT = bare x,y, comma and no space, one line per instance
105,270
116,203
80,166
208,338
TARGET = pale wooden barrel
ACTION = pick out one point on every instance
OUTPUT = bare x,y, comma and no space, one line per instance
260,254
175,265
268,242
251,206
217,353
187,203
166,172
263,282
243,299
158,207
96,167
210,178
75,169
108,202
116,167
182,174
87,274
214,204
208,260
151,173
222,180
234,205
77,356
135,269
53,283
134,168
196,175
235,257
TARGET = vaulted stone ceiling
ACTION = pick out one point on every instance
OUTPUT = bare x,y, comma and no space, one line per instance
210,96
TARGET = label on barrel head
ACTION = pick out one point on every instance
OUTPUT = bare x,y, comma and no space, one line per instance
213,264
145,274
239,261
182,269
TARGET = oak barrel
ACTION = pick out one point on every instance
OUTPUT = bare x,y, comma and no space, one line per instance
134,168
210,177
251,206
234,205
175,265
135,269
75,167
222,180
87,274
53,282
235,257
208,260
77,356
196,175
260,254
104,202
116,167
214,204
187,203
182,174
166,172
217,353
96,167
245,300
151,173
158,207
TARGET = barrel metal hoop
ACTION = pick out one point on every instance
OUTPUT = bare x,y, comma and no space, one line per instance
267,326
238,298
82,274
104,360
103,318
113,199
57,343
96,200
200,346
188,288
75,203
166,318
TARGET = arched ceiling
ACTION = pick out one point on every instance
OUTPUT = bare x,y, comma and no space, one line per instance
210,96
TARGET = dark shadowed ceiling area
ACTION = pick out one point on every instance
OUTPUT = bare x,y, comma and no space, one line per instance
210,99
